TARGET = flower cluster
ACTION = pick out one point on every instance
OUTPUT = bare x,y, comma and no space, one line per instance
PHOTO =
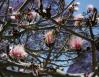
18,52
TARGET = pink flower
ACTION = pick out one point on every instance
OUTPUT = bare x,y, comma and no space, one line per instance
18,52
78,19
75,43
49,38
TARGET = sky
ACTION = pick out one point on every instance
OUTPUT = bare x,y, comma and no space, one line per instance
84,3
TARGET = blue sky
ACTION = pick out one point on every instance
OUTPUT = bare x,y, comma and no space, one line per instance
84,3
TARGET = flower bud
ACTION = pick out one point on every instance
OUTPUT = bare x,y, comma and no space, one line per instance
75,43
49,38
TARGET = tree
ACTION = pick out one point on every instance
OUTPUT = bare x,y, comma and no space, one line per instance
42,37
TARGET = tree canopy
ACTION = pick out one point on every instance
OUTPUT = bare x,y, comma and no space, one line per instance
41,38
